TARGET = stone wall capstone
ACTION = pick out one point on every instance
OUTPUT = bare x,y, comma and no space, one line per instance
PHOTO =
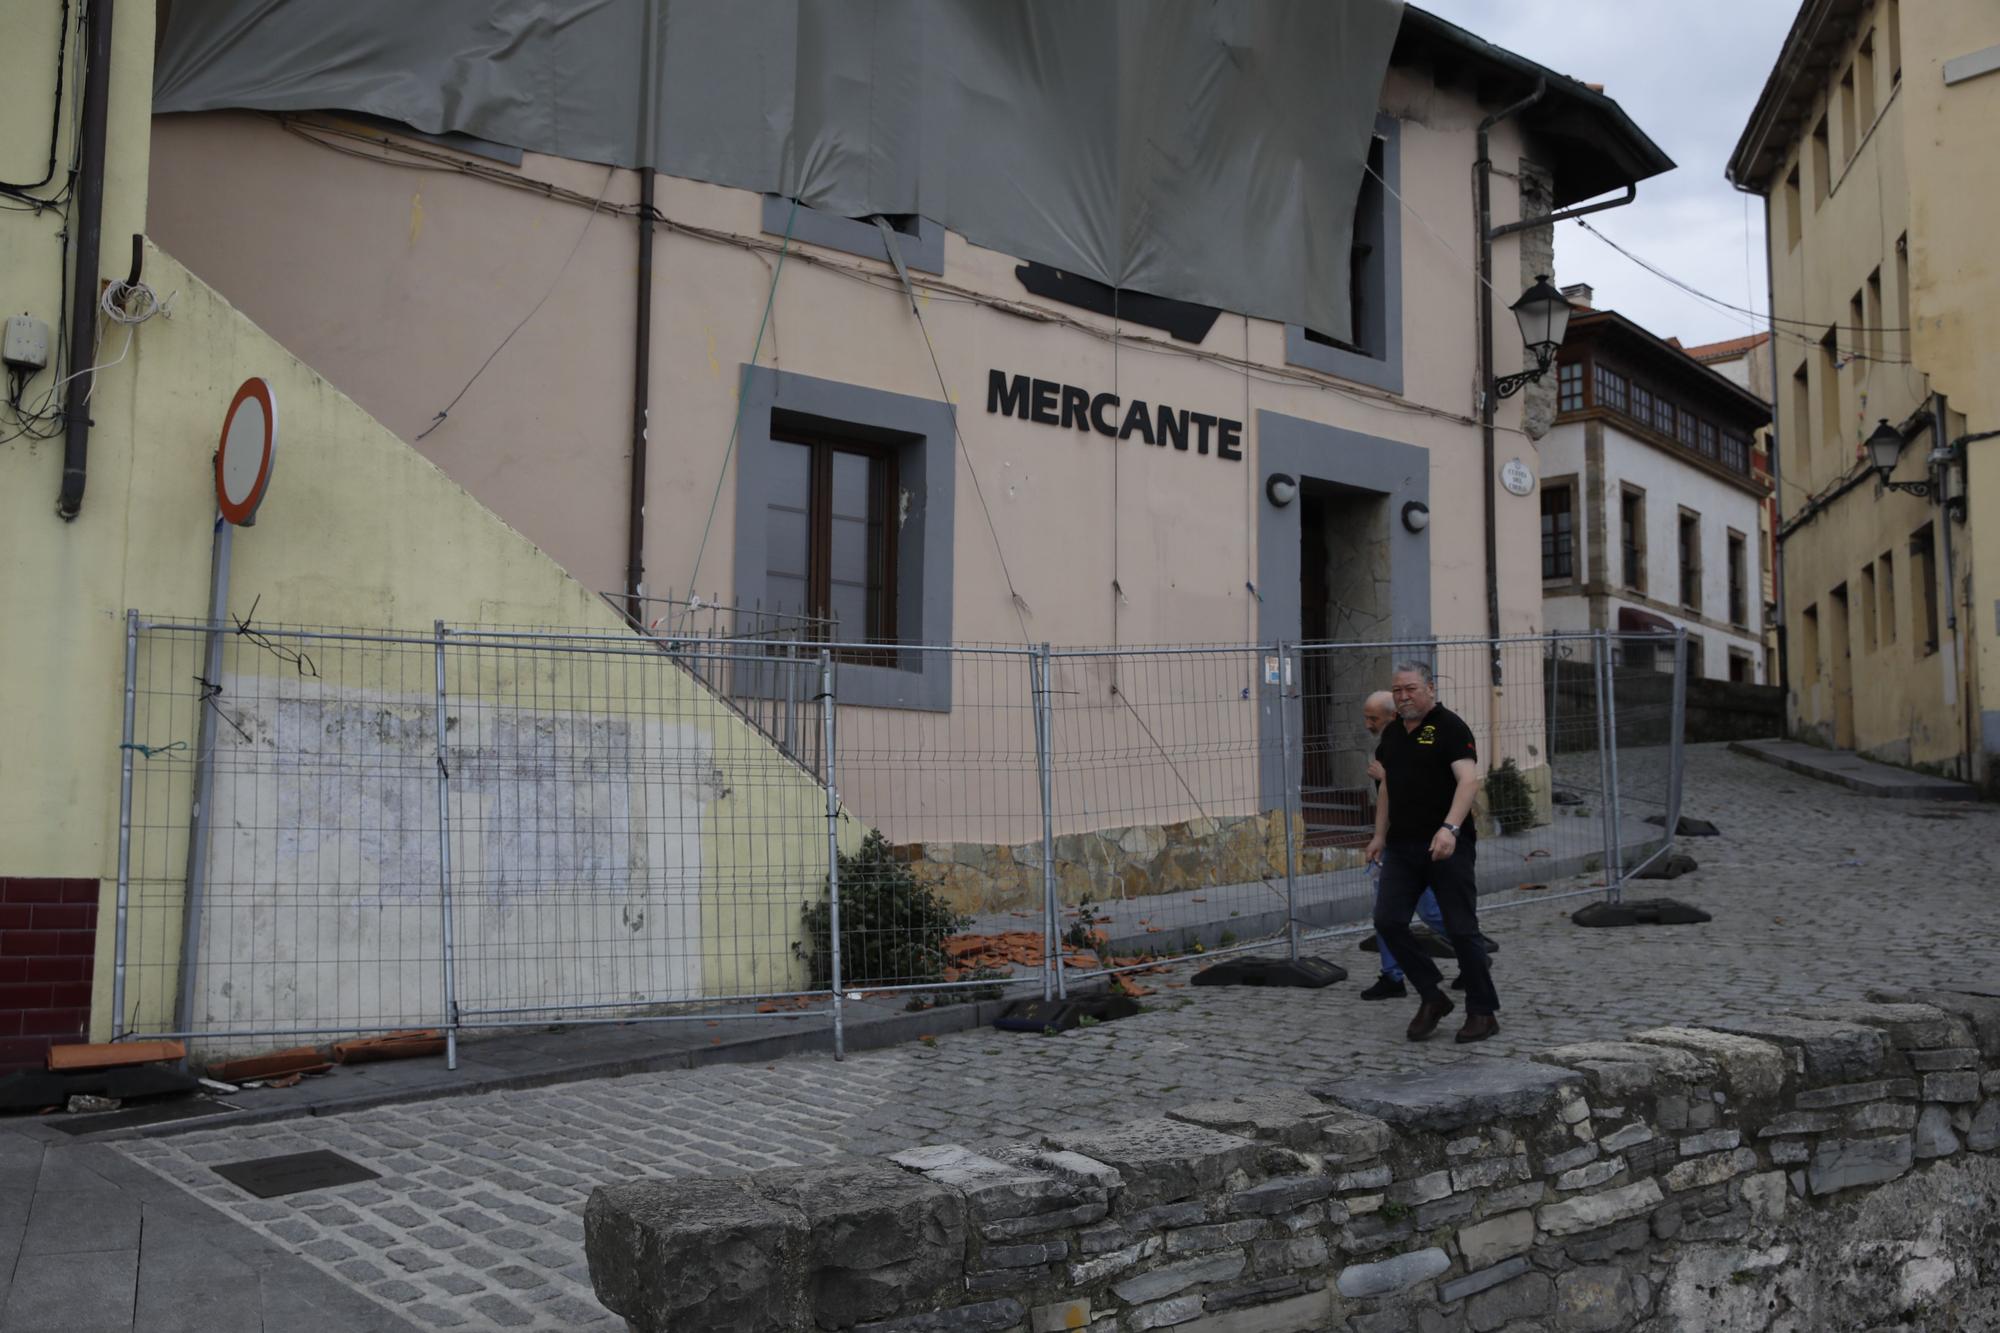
1829,1169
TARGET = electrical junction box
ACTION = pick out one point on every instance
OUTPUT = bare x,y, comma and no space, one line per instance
26,343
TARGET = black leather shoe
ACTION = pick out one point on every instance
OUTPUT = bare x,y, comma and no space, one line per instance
1478,1027
1429,1014
1458,982
1385,988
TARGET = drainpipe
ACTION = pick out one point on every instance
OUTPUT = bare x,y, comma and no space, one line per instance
1940,473
1483,164
642,337
90,230
1777,551
642,357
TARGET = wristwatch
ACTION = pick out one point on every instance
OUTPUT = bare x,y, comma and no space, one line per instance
1451,829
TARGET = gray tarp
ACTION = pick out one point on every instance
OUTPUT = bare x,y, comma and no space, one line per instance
1206,150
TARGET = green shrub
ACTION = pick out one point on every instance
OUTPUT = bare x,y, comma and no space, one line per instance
892,928
1509,798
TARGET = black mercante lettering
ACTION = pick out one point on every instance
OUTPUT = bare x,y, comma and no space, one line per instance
1202,423
1104,424
1138,417
1044,412
1007,396
1052,403
1075,407
1229,439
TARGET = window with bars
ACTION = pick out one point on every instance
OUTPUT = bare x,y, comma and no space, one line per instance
1690,553
1632,536
1739,592
831,549
1569,387
1610,386
1558,532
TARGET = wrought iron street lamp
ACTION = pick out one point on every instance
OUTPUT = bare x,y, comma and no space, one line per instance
1543,314
1885,447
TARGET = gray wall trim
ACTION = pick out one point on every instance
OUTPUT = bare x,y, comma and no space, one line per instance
1958,70
925,431
1386,371
923,252
1310,450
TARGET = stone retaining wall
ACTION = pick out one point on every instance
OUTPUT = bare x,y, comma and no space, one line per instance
1824,1170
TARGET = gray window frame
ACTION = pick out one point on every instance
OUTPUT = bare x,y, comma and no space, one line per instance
923,430
1385,264
923,252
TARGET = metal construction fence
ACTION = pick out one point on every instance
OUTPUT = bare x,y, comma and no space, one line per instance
330,831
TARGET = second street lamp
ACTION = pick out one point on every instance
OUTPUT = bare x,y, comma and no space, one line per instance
1885,447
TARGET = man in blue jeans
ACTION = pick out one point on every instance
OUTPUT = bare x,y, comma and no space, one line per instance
1423,840
1378,710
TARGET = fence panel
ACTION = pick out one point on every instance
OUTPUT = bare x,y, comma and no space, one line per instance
1169,803
1648,721
1541,814
935,759
319,911
622,846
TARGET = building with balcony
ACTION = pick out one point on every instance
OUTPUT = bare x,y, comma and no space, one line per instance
1650,501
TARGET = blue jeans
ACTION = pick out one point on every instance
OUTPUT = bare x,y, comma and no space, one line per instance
1427,908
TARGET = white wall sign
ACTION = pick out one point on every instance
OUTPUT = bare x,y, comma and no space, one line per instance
1516,477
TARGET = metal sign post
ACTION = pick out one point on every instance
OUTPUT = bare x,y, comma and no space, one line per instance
242,475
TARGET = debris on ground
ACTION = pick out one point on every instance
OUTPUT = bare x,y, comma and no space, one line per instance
407,1045
297,1060
1000,952
96,1077
113,1054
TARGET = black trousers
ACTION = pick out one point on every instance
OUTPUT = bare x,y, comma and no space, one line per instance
1407,870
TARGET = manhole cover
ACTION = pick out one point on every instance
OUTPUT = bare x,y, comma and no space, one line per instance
294,1173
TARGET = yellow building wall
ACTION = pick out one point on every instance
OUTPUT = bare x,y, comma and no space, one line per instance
1954,167
358,530
1875,684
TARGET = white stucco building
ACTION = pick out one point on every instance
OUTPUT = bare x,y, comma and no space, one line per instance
1650,499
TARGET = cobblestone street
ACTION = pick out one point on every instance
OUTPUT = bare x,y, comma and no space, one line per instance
1818,894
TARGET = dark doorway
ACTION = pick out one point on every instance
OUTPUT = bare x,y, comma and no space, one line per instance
1343,599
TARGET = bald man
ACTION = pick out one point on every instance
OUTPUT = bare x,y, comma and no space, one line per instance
1378,710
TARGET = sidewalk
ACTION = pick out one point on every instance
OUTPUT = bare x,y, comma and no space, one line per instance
1848,769
90,1240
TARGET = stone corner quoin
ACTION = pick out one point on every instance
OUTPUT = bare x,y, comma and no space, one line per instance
1687,1176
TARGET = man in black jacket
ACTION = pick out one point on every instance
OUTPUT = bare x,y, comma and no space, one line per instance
1423,839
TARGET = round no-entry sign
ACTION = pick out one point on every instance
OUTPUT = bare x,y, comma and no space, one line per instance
243,462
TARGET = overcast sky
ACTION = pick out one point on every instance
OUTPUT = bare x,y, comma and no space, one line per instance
1687,72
